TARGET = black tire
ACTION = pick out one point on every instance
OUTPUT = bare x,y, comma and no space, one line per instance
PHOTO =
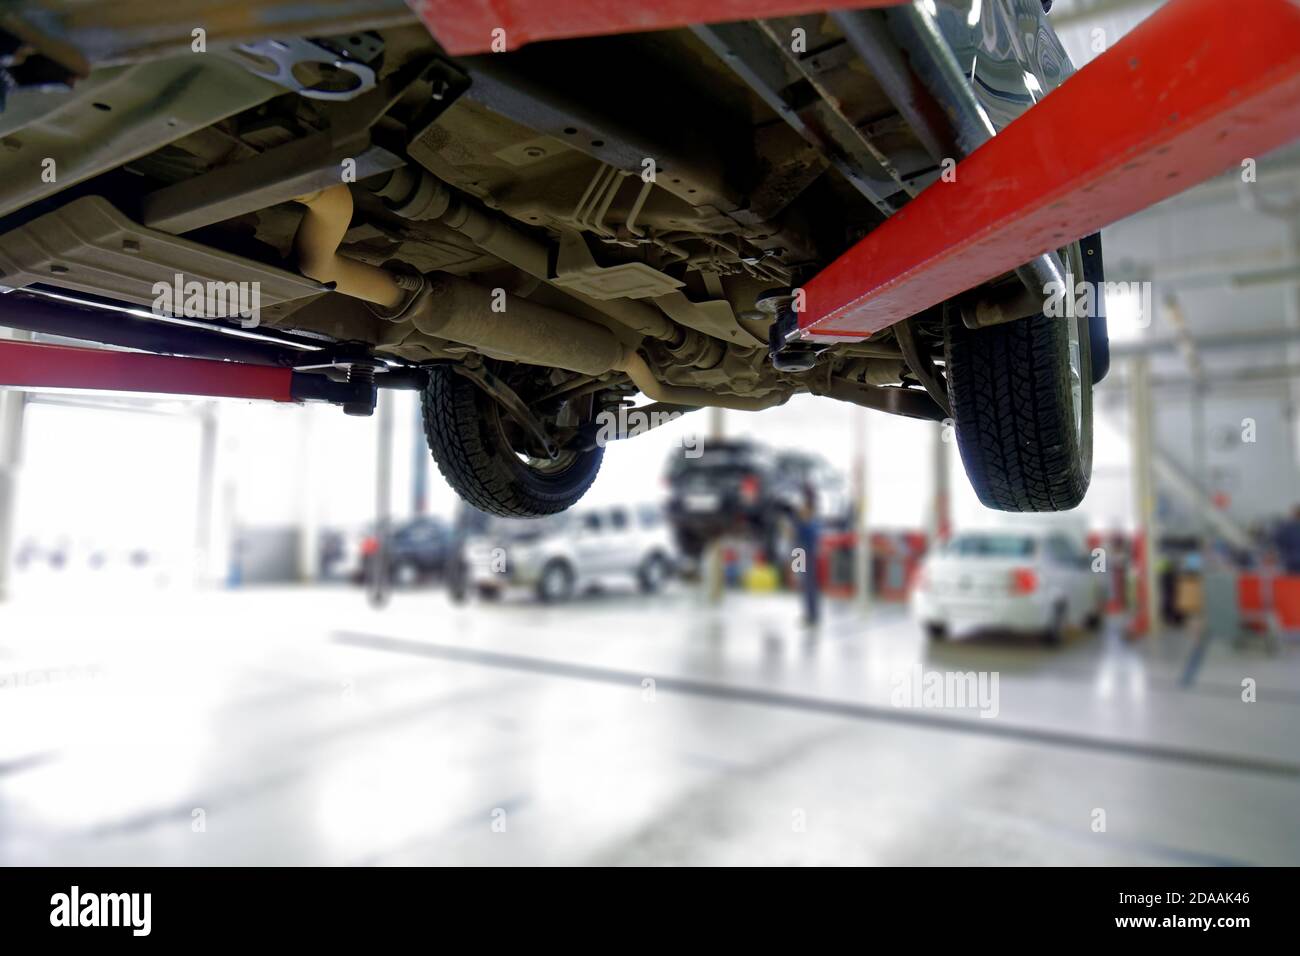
556,583
457,578
936,631
488,593
465,430
654,573
690,544
1010,387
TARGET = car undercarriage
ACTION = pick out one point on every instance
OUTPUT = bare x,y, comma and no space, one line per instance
534,237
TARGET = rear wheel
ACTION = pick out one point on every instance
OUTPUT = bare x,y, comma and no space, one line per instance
556,583
483,453
690,544
1055,633
653,574
1021,396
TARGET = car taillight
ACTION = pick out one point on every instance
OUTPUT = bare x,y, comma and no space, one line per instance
369,545
749,489
1023,581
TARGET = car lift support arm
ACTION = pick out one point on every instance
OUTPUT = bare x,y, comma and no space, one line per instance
1199,87
38,365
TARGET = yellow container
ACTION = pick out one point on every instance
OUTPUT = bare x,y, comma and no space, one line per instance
762,577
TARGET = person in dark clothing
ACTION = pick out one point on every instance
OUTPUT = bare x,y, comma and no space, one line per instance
808,531
1287,541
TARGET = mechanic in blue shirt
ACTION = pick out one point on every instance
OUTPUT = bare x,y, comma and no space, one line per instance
808,532
1287,540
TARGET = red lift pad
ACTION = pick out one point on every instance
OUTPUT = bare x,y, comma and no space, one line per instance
35,365
464,27
1197,88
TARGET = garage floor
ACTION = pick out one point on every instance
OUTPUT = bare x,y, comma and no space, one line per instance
299,727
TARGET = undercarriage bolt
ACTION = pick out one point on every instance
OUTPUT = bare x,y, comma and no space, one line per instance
363,403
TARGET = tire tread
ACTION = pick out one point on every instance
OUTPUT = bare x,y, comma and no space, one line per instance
469,456
1009,386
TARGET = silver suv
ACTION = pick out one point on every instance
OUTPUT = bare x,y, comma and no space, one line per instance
562,555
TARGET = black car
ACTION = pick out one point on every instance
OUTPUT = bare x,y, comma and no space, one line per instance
418,550
746,488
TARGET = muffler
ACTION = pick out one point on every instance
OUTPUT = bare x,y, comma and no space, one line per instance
449,307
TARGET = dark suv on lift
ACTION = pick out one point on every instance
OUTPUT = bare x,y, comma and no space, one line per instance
743,487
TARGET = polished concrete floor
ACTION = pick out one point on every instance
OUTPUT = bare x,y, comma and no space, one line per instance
301,727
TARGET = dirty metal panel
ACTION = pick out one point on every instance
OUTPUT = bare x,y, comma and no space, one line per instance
89,246
472,26
52,140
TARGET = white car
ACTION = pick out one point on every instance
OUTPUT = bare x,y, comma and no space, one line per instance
563,554
1023,581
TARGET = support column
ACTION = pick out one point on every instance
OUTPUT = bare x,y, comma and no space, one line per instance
419,466
379,585
205,497
941,505
308,517
13,406
1144,505
862,526
714,573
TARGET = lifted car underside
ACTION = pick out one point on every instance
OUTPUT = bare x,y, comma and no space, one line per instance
535,237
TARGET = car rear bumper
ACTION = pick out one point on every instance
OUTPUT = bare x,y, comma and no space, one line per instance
1026,614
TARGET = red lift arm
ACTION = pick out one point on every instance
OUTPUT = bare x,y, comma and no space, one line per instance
37,365
1199,87
32,365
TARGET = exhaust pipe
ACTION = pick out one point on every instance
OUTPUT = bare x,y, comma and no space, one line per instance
329,213
639,372
448,307
461,311
452,308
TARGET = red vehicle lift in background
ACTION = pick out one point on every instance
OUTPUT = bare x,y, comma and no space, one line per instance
1197,88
